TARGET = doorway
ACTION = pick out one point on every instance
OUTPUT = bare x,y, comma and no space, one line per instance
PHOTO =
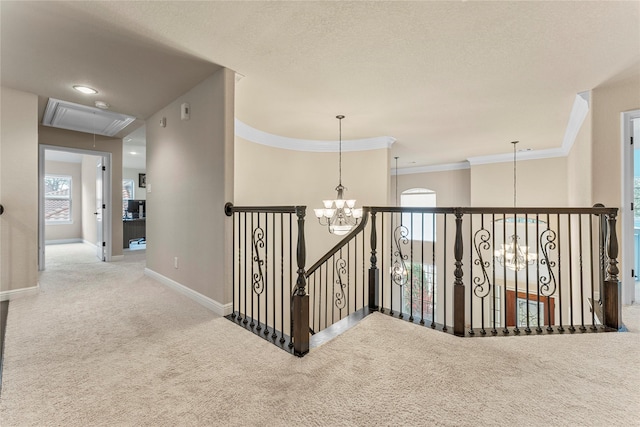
631,207
74,185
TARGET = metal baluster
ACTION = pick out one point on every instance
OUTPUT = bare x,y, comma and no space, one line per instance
471,331
391,268
433,270
526,268
570,246
266,276
494,331
593,299
539,328
505,330
582,327
516,329
245,321
326,294
421,269
444,279
560,327
275,335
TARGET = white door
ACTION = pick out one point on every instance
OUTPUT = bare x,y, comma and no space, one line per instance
99,213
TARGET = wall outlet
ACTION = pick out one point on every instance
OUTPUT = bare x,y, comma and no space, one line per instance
175,262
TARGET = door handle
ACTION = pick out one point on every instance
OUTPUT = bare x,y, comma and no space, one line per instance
1,209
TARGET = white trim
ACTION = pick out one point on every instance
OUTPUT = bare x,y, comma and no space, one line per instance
548,153
245,131
63,241
89,243
19,293
106,159
626,214
213,305
432,168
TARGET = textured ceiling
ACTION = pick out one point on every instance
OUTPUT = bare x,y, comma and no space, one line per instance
448,80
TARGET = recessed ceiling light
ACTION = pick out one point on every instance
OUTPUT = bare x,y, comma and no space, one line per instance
103,105
85,89
133,152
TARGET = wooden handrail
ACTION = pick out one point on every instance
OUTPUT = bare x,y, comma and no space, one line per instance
341,243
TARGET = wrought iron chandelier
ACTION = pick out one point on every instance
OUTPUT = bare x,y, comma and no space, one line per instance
512,255
339,215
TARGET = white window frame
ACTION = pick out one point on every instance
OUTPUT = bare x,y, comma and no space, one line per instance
126,181
68,197
422,223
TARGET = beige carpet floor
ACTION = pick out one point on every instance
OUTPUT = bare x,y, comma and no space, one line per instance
103,345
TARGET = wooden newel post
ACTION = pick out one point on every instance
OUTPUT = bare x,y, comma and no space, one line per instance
611,297
374,273
300,297
458,285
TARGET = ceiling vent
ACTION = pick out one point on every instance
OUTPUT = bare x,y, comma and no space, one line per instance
67,115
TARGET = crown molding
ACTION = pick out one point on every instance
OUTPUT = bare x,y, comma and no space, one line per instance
249,133
432,168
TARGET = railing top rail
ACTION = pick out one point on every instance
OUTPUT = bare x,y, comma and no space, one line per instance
341,243
496,210
230,209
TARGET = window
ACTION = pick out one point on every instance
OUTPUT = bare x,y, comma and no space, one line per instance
418,294
57,199
127,193
423,226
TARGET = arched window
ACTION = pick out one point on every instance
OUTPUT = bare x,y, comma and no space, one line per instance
423,227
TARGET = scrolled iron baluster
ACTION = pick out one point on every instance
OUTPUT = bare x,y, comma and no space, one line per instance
340,297
480,243
548,284
399,270
257,239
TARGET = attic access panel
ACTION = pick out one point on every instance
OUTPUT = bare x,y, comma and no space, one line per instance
82,118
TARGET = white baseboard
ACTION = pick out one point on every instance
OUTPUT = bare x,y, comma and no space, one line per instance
62,241
117,258
213,305
90,243
18,293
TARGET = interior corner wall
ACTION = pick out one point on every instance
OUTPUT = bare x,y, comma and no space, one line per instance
18,190
85,141
53,232
607,103
189,180
539,183
274,176
89,229
453,188
579,167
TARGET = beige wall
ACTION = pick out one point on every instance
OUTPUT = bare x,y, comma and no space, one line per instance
452,187
189,179
53,232
18,190
540,183
85,141
607,102
89,231
273,176
579,166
